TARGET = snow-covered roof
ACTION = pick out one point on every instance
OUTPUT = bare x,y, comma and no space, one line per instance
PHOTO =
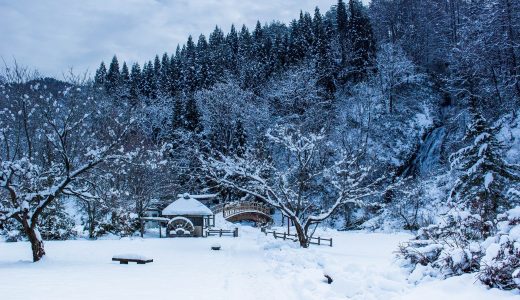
200,196
186,206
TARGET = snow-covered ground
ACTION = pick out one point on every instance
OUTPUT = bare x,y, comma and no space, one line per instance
251,266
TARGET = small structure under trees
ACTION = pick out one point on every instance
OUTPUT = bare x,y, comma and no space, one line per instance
184,217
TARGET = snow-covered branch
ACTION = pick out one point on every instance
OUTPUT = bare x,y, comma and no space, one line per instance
292,189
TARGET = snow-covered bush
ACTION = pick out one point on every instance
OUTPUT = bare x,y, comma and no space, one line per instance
11,231
413,204
449,246
100,228
119,223
475,234
455,247
56,224
500,266
124,223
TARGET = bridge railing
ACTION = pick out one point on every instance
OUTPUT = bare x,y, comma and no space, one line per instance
234,209
231,209
217,208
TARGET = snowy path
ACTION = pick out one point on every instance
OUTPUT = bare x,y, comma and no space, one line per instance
249,267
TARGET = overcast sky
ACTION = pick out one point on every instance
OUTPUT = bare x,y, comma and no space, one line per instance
54,35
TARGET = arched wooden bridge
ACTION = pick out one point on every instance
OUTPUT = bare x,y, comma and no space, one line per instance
244,211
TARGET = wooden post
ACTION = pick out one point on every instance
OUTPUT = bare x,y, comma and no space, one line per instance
221,232
331,242
160,229
284,236
319,240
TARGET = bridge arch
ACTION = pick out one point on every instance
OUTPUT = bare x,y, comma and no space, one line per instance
245,211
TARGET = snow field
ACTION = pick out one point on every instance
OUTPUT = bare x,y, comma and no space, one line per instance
252,266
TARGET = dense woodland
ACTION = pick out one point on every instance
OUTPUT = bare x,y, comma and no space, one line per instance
400,115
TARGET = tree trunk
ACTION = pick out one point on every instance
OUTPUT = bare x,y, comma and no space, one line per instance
301,233
141,223
91,225
36,243
91,228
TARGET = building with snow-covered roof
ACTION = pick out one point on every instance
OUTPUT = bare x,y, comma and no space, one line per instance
187,217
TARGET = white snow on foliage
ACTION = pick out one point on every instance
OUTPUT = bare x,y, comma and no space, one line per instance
488,179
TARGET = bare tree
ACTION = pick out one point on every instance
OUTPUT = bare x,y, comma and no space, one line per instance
49,149
304,186
395,71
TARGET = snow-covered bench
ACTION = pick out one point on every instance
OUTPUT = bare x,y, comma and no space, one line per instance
126,258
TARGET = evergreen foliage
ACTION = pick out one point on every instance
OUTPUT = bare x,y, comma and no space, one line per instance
56,224
485,177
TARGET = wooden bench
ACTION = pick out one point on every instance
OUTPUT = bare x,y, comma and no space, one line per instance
125,261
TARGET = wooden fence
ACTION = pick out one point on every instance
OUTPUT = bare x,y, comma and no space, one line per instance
222,232
293,237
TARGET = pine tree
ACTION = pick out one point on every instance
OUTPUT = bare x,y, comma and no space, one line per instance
231,54
278,55
306,29
192,120
485,175
246,62
149,88
202,63
189,67
135,83
217,55
245,42
125,85
178,114
297,44
258,36
125,73
113,76
101,75
176,82
156,83
342,23
361,57
157,67
165,75
56,224
322,55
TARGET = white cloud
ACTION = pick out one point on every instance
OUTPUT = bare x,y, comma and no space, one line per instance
54,35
